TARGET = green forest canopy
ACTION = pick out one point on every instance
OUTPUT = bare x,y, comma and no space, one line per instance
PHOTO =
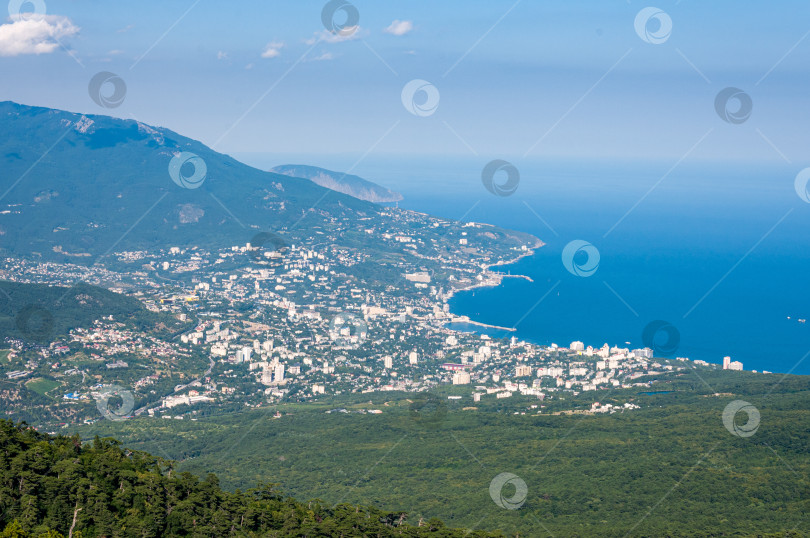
54,485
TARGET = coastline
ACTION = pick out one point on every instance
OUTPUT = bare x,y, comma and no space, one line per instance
490,279
468,321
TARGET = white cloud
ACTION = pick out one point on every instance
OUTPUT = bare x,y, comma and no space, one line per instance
35,34
399,27
222,55
329,37
273,49
323,57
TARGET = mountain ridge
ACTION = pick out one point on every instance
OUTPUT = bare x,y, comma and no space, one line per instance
77,187
115,175
346,183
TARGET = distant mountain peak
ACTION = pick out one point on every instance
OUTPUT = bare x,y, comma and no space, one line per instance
75,183
346,183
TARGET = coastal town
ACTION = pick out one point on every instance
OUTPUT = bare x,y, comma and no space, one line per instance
270,322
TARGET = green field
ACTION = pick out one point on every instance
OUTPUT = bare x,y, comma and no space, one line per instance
670,468
42,386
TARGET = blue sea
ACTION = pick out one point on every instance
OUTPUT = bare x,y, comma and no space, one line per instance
720,252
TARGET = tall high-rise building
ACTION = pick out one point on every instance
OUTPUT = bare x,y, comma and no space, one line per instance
461,378
278,373
726,362
243,355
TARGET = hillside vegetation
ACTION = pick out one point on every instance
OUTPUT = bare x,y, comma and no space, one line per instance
40,314
670,468
55,485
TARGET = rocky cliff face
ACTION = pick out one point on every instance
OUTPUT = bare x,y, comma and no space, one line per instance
346,183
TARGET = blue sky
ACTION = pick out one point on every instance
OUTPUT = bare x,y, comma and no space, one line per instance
516,79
